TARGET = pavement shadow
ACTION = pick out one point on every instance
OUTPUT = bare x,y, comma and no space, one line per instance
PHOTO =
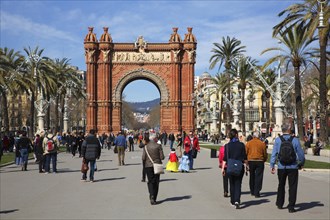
308,205
132,164
253,202
203,168
9,211
104,161
177,198
266,194
67,171
99,170
109,179
165,180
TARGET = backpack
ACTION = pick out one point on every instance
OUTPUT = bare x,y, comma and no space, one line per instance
287,154
50,144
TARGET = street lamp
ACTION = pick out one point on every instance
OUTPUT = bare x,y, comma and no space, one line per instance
40,104
321,14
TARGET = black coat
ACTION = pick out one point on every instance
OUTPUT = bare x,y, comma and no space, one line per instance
91,148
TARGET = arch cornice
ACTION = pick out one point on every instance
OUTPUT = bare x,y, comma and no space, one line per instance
141,73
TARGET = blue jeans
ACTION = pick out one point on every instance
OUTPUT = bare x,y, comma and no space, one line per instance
24,155
91,164
191,160
171,144
51,157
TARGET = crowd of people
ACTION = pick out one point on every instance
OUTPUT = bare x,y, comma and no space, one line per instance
248,155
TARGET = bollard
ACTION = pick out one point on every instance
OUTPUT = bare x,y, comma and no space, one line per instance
213,153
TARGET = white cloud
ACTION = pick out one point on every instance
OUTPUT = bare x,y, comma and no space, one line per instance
23,26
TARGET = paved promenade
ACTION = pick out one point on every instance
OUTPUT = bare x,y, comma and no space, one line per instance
118,193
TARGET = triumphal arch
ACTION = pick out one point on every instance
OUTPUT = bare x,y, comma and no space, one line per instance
112,66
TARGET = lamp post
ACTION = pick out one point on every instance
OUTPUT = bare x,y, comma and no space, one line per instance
321,14
40,104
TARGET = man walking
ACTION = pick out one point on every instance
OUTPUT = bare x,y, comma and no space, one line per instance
90,151
288,165
50,146
121,144
257,155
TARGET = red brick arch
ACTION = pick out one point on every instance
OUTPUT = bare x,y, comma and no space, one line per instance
112,66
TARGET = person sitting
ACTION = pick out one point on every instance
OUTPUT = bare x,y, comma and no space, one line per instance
317,148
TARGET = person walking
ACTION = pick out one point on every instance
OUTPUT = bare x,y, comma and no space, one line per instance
50,146
142,145
235,150
39,151
171,138
288,163
225,178
24,145
156,154
121,145
191,146
256,152
90,151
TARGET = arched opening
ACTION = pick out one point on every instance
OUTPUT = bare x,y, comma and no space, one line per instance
140,105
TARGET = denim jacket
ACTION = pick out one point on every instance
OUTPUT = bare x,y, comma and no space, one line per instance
297,147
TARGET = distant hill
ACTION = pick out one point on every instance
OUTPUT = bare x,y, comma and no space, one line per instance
144,107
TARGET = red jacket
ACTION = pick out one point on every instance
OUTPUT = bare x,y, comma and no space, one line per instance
173,157
221,156
187,144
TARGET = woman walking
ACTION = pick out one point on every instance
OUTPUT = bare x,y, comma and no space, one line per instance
235,149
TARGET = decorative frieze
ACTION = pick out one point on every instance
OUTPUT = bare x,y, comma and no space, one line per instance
136,57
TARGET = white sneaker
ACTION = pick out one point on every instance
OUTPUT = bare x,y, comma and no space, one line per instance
237,205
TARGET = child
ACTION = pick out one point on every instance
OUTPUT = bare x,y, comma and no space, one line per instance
172,164
184,163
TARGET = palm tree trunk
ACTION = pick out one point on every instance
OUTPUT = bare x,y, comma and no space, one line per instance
220,114
31,133
228,112
48,114
323,89
62,114
268,121
243,111
299,108
4,109
56,112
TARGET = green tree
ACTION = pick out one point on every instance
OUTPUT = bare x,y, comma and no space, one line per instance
225,53
243,73
269,76
308,13
10,60
221,82
297,53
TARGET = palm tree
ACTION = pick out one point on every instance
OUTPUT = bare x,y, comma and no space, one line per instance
243,73
221,82
63,73
224,54
32,71
308,12
296,41
270,77
9,79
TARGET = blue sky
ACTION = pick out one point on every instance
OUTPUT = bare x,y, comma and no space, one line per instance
59,27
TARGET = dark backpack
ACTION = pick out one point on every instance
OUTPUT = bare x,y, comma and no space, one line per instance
287,154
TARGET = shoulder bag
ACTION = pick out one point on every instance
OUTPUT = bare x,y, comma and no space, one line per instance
158,168
234,167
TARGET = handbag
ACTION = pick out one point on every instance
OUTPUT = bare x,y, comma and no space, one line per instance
158,168
234,167
84,167
115,149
